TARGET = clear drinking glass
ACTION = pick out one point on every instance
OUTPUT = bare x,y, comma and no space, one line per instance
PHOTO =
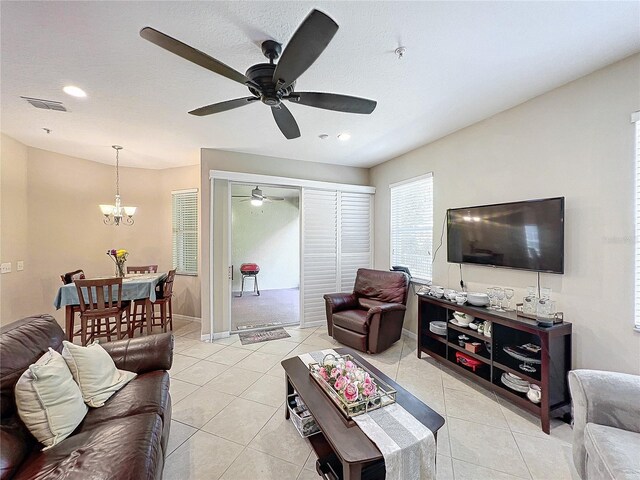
509,293
491,298
499,293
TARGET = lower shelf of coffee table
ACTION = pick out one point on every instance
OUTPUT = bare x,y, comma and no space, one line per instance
329,465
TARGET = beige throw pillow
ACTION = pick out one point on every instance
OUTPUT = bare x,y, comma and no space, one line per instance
94,371
49,401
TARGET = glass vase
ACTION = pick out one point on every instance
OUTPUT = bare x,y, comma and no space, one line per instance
120,269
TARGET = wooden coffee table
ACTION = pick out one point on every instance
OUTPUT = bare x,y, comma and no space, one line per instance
340,442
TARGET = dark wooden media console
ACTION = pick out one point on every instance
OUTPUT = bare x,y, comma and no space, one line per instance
508,330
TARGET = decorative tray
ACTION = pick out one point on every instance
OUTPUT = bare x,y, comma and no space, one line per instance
351,386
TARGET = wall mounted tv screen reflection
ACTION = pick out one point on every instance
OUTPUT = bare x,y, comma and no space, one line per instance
524,235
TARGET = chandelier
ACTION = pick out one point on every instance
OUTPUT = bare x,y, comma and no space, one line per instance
116,214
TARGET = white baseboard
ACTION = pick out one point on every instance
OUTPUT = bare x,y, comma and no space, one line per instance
218,336
186,318
205,337
410,334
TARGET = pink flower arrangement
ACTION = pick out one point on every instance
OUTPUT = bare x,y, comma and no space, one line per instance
348,380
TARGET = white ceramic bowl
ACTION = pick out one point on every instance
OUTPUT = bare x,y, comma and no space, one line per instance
478,299
463,319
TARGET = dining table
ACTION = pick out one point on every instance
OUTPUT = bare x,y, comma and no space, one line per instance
135,286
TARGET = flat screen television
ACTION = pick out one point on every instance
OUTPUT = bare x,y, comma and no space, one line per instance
524,235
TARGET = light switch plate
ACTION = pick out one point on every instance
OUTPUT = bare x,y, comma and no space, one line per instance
5,267
20,265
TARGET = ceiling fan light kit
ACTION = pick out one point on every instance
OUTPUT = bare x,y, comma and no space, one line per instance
271,83
257,198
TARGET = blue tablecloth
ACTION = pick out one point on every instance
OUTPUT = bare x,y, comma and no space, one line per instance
134,287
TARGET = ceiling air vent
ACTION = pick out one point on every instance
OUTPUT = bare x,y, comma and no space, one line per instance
46,104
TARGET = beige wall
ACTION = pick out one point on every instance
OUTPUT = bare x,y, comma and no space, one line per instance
576,141
14,286
246,163
65,229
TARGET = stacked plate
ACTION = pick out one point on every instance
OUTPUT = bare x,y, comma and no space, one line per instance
514,382
439,328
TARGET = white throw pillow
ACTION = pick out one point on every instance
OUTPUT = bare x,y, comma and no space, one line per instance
94,371
49,401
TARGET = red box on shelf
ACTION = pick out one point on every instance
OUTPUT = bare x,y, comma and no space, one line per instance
473,347
467,361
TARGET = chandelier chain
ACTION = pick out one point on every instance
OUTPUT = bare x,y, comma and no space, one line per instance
117,171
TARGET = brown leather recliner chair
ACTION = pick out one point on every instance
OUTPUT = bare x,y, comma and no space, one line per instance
369,319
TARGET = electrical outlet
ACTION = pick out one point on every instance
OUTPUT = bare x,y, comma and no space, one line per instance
20,265
5,267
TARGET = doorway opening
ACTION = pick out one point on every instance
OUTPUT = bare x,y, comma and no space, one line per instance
265,256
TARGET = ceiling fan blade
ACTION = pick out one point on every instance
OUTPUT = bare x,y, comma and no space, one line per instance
308,42
223,106
274,199
286,123
333,101
193,55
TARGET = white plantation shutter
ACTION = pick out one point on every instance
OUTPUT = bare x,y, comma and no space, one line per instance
412,225
636,118
355,236
319,250
185,231
336,241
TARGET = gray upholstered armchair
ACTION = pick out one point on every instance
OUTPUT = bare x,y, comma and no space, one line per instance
606,428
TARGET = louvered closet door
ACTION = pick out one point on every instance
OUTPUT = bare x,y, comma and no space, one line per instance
319,251
355,236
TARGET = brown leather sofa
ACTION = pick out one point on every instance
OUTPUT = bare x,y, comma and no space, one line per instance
126,439
369,319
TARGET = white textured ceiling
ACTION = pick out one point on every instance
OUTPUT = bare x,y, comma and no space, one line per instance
465,61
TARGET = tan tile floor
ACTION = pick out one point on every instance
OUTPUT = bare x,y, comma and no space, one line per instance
228,415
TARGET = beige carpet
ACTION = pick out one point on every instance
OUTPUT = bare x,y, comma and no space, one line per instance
271,307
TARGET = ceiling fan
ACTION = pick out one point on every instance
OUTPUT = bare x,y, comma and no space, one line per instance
257,198
271,83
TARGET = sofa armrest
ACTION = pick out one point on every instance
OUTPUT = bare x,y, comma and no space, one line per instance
142,354
604,398
341,301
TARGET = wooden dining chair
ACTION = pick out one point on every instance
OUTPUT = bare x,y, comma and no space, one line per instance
161,317
68,278
143,269
100,314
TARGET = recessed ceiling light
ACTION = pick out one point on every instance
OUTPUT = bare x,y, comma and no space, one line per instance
323,136
344,137
74,91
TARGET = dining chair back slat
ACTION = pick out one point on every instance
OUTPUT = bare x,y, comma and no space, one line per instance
143,269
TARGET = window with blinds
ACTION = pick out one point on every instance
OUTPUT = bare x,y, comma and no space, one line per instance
636,119
185,231
412,225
